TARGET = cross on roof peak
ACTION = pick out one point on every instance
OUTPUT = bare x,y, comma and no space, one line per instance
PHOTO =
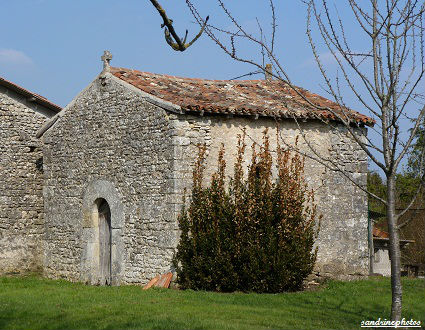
106,58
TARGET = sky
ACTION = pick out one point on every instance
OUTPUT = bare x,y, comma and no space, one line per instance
53,47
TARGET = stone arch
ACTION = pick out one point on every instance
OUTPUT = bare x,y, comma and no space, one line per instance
97,193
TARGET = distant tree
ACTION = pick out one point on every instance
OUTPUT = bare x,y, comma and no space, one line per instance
415,164
376,186
414,253
412,223
406,190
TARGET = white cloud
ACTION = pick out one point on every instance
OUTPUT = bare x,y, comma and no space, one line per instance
14,57
326,59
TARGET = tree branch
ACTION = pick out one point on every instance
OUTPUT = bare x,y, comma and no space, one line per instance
170,34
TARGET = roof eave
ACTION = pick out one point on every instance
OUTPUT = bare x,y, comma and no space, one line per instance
31,97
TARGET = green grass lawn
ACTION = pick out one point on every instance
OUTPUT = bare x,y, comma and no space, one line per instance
36,303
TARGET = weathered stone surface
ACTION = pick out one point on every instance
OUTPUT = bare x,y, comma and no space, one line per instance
21,178
109,144
342,242
113,143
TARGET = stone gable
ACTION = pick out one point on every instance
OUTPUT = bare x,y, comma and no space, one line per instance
110,144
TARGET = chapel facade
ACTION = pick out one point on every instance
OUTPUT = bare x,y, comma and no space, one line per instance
118,159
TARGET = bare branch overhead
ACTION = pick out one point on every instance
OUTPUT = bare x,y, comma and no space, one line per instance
171,37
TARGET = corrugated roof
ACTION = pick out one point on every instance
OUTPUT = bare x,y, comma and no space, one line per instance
33,97
266,98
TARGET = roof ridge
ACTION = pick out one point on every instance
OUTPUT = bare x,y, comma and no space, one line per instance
191,78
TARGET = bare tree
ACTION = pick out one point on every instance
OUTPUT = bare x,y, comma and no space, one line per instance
386,77
390,71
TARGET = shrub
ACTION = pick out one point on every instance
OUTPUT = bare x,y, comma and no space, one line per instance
255,235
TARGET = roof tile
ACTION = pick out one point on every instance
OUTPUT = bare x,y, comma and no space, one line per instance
239,97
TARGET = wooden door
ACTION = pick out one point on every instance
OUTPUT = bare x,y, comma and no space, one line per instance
105,243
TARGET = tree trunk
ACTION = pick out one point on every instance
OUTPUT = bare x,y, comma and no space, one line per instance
394,251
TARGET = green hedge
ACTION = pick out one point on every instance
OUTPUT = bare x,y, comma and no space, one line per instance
256,234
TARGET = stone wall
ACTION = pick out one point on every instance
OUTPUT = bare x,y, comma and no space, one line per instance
110,144
21,179
342,243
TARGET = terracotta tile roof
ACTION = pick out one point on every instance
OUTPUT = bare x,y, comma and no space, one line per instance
380,233
33,97
237,97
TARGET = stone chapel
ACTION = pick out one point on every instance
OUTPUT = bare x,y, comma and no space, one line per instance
117,159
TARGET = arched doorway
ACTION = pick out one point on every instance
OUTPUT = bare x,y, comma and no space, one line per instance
102,225
105,238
